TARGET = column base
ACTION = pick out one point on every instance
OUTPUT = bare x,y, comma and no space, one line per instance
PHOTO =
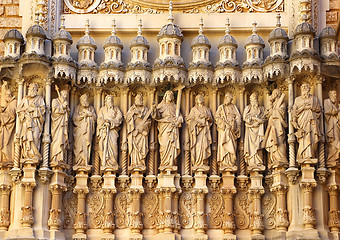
136,236
258,237
229,236
108,236
200,236
279,235
23,233
56,235
310,234
167,236
79,236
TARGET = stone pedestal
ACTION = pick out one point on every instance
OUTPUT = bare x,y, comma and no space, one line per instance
200,218
135,215
228,190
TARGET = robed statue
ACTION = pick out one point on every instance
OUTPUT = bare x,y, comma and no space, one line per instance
109,120
332,124
254,119
169,121
7,123
199,121
275,138
228,121
59,127
306,120
138,125
84,118
31,113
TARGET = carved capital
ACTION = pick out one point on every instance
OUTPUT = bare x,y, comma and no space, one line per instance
96,183
16,174
228,223
4,218
308,186
200,219
27,215
54,221
80,221
45,175
257,221
292,175
135,220
309,215
168,219
322,174
334,219
281,219
109,221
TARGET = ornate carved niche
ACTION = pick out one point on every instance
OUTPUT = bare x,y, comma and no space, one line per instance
70,202
158,6
268,206
95,203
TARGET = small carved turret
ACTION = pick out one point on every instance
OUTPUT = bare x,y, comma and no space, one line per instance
200,46
13,42
36,37
113,47
328,43
278,40
86,48
254,47
139,46
62,41
303,37
227,47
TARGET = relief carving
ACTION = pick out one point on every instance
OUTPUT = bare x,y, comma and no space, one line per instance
228,121
84,118
332,125
7,123
199,121
306,115
215,216
269,206
31,113
96,209
241,210
109,120
59,127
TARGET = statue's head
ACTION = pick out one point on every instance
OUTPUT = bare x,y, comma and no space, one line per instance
168,96
276,93
254,99
139,99
109,101
33,90
8,95
84,100
332,96
199,99
64,94
228,98
305,89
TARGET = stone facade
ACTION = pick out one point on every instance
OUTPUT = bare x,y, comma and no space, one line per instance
156,121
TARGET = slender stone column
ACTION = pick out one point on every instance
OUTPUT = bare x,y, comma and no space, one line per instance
124,148
256,190
334,212
135,191
214,166
200,190
186,136
81,189
228,190
153,141
97,105
5,189
109,189
242,165
46,140
292,172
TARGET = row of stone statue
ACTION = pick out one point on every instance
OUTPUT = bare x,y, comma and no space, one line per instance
306,117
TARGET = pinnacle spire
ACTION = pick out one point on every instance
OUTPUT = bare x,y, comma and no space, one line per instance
36,20
87,27
139,32
304,17
113,31
200,31
171,16
278,23
62,20
254,27
227,27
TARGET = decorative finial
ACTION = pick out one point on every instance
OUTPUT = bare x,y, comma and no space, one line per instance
200,31
171,16
36,20
227,27
62,20
139,33
254,27
278,23
113,31
87,27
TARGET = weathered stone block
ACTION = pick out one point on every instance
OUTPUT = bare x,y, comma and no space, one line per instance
12,10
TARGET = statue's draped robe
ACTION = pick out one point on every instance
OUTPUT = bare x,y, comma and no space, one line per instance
108,135
254,134
7,127
308,133
168,134
83,131
59,130
228,121
199,121
31,112
332,123
274,140
138,140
